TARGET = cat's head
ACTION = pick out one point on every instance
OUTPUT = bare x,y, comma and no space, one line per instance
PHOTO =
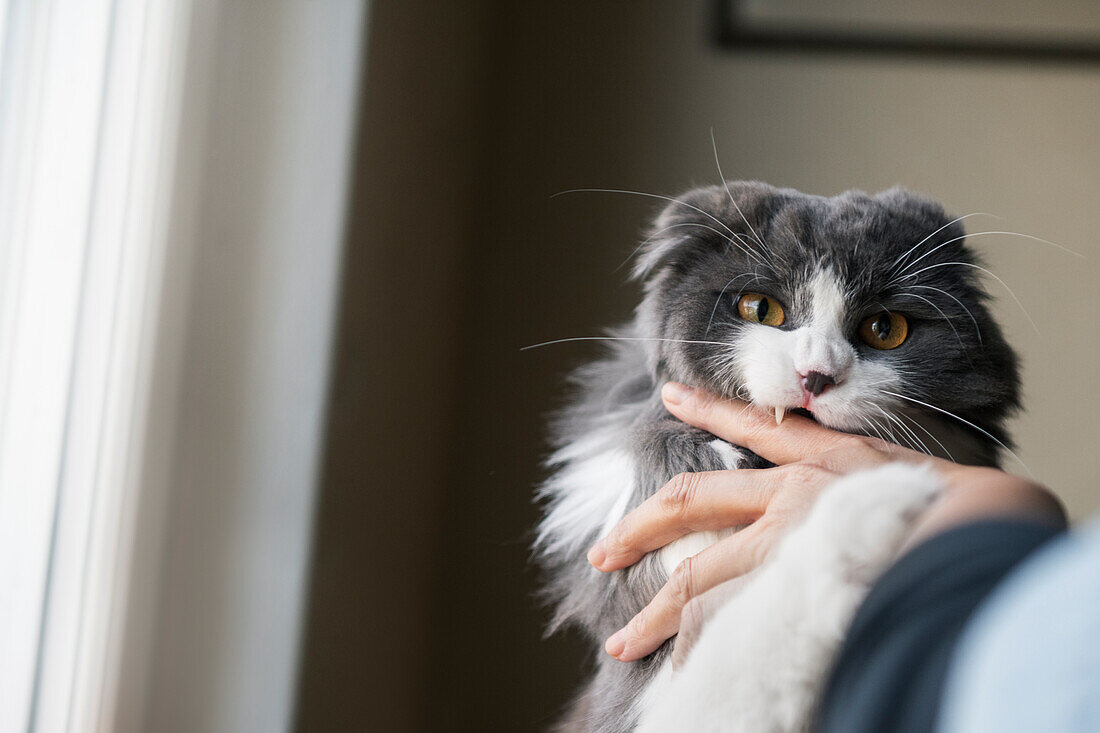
852,308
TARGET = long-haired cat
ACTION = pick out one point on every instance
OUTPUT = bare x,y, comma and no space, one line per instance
862,311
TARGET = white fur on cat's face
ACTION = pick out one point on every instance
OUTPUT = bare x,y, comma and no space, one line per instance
772,363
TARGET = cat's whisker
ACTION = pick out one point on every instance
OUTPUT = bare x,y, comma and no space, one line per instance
954,330
930,435
915,439
733,201
911,438
984,234
718,300
870,423
662,230
723,367
736,298
961,305
738,240
622,338
752,404
984,432
916,246
872,418
905,440
992,275
671,199
890,435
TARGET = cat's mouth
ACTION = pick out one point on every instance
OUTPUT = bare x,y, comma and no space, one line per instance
781,412
803,412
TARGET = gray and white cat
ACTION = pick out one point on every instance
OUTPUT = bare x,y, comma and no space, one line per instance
864,312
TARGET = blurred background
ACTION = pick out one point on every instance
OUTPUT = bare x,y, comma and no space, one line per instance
327,518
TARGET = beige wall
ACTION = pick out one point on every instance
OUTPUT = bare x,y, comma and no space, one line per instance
575,94
368,652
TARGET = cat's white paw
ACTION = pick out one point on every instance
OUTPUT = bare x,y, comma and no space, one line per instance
860,520
758,664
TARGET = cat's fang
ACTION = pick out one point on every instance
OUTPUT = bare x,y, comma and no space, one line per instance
779,413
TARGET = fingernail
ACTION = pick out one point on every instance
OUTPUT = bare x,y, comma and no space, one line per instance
597,554
616,643
674,393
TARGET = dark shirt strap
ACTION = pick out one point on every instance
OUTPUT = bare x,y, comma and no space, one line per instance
890,672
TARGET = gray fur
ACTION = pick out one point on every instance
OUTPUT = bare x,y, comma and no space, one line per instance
693,271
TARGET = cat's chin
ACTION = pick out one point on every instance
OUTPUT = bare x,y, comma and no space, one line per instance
842,422
842,425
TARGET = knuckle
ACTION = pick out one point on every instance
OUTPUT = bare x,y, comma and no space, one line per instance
681,582
803,474
884,448
864,443
864,449
623,538
638,628
678,495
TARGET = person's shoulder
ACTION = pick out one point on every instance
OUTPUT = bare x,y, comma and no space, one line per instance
890,673
1028,660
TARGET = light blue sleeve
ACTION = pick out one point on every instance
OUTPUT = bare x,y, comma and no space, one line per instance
1030,658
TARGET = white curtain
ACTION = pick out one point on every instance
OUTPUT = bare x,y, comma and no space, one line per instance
105,177
87,93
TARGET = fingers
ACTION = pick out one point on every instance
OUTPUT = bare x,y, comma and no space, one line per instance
658,621
690,502
699,610
741,424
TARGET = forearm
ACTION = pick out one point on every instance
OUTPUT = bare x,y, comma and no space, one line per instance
977,494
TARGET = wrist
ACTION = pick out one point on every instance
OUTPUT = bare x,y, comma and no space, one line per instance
973,494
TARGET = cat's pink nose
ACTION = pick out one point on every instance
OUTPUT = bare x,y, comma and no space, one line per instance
815,382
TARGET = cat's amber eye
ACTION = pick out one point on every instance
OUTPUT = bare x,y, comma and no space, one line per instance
761,309
884,330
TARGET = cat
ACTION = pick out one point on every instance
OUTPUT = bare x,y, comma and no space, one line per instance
872,305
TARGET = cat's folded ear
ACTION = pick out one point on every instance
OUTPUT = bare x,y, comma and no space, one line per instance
902,201
709,219
925,221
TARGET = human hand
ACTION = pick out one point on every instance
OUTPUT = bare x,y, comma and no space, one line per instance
808,458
